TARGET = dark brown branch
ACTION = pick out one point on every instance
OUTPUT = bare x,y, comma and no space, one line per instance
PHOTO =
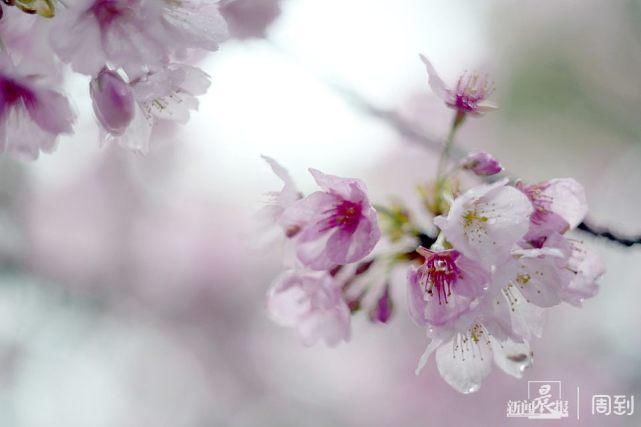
609,235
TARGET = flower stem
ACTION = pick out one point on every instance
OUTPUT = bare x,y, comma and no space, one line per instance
441,174
459,118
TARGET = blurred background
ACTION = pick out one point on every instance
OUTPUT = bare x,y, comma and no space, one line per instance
132,289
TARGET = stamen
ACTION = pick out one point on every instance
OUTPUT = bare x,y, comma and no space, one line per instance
439,272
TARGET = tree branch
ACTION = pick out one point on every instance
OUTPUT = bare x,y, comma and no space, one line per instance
609,235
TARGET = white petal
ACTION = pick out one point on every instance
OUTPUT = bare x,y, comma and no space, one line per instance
465,367
513,357
568,199
436,83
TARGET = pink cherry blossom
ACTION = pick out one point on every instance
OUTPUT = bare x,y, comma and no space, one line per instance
482,164
31,115
485,222
561,270
122,33
135,35
537,274
312,303
559,205
470,94
337,225
444,287
583,266
169,95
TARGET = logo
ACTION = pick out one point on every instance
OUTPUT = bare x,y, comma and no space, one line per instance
605,404
544,401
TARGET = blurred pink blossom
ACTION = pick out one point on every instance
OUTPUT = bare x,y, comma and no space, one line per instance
32,116
482,164
468,97
167,95
250,18
311,302
135,35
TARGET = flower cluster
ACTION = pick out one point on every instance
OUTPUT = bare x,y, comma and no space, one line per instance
327,230
480,286
135,52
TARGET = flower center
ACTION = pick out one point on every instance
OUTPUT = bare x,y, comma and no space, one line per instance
346,215
11,92
107,11
470,90
439,273
471,217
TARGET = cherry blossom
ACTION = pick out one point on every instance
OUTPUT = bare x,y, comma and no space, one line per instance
312,303
336,226
479,278
169,95
470,94
32,116
486,222
136,35
444,287
465,358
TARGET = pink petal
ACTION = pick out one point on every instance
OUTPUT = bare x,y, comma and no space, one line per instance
51,111
350,189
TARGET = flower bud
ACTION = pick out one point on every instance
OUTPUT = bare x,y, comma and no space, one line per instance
382,311
482,164
113,101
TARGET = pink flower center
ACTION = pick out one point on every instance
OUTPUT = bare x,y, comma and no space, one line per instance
470,90
346,216
439,273
107,11
11,92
